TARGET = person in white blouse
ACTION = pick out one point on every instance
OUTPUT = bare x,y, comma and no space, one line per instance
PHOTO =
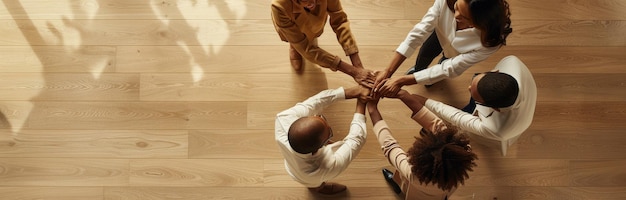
502,103
303,136
467,31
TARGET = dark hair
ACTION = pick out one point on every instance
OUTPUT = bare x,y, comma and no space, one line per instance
497,89
304,138
442,159
493,18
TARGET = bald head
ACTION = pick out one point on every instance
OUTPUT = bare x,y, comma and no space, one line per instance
306,134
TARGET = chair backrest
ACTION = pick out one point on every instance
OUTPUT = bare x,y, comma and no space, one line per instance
527,97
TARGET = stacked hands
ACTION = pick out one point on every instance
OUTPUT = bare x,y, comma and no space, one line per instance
374,85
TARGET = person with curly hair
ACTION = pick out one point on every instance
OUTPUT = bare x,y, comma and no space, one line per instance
466,31
436,164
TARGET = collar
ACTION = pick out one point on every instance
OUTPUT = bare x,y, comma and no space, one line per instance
296,7
484,111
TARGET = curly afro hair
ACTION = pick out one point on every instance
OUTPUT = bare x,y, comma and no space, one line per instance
443,159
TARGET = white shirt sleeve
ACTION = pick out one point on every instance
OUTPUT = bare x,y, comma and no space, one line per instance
422,30
459,118
348,148
453,67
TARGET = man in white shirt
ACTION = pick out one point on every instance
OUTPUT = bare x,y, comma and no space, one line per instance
302,134
505,101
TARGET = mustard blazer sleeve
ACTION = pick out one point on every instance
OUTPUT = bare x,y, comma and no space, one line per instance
340,24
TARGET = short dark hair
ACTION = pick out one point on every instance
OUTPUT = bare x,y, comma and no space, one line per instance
498,90
304,138
443,158
493,18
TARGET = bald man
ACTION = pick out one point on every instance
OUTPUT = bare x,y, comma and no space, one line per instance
303,136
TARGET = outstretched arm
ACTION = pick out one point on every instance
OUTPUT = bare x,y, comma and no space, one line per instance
372,108
393,66
414,102
359,91
391,149
362,76
421,115
351,145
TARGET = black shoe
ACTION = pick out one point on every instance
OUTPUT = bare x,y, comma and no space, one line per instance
414,69
411,70
389,178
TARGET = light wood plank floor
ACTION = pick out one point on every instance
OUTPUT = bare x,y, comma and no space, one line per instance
115,99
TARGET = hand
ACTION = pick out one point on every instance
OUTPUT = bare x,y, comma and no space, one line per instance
372,108
373,102
360,92
397,95
365,77
381,76
390,87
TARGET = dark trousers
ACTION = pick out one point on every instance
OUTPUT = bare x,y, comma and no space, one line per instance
429,50
470,107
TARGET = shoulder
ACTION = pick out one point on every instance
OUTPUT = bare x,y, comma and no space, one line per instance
282,5
450,4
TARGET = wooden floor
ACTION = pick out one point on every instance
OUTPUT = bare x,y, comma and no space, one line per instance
115,99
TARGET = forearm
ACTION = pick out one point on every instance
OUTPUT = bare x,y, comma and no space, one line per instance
375,115
397,60
408,79
360,107
389,145
356,60
352,143
348,68
461,119
414,102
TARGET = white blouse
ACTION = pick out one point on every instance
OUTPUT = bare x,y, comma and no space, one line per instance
462,47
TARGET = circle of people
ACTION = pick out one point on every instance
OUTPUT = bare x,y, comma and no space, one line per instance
463,32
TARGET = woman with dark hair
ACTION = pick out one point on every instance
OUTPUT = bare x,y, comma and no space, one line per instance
435,165
466,31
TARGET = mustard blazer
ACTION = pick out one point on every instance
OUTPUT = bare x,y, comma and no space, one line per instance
300,27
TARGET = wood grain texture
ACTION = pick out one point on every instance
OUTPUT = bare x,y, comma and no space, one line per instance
568,33
149,10
177,99
95,144
69,87
258,143
478,192
87,59
52,193
606,173
567,10
137,115
517,172
63,172
587,115
572,144
196,172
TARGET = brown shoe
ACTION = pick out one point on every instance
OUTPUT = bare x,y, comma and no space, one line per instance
296,59
329,188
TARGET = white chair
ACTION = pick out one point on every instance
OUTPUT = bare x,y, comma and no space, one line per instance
524,104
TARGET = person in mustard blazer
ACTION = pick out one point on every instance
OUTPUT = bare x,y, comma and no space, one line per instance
301,22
